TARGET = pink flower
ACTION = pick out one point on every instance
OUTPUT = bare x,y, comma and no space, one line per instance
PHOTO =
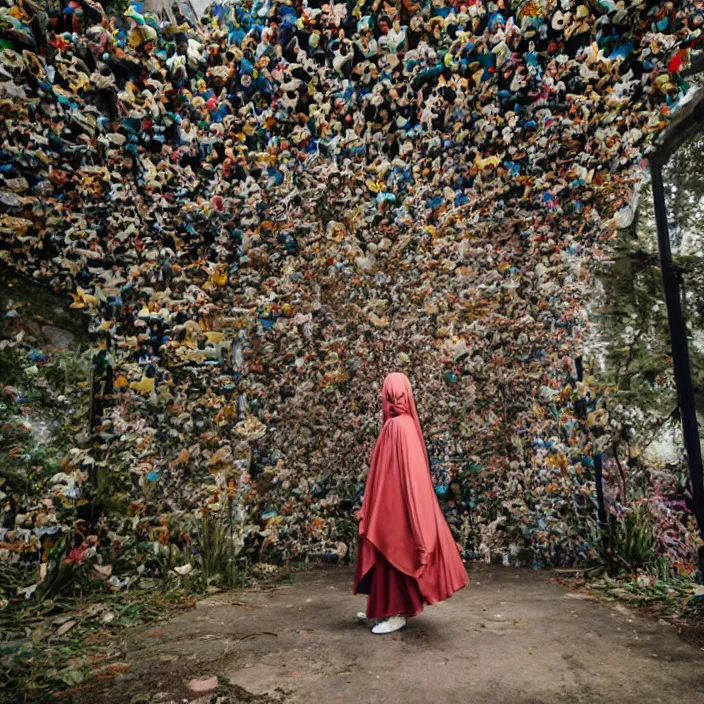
77,555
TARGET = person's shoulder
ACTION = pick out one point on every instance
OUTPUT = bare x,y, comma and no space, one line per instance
401,429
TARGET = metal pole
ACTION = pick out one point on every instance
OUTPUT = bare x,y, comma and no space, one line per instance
680,350
581,413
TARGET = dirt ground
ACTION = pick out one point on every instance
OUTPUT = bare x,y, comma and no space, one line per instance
512,637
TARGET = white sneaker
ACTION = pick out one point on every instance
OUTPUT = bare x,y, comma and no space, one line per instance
361,616
390,625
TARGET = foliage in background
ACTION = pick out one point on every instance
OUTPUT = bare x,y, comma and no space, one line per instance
646,474
627,542
86,568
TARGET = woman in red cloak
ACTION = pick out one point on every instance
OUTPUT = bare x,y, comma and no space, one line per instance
407,555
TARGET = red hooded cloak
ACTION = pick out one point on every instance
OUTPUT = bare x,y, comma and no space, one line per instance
407,555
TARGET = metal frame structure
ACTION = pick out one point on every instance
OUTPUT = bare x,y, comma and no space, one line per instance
683,128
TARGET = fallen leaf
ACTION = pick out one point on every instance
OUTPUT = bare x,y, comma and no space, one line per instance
73,690
62,630
110,671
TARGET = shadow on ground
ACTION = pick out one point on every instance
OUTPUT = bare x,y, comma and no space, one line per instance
512,637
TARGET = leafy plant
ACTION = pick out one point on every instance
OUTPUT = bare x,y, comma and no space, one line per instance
218,553
627,543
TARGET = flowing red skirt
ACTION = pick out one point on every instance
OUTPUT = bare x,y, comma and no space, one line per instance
391,593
